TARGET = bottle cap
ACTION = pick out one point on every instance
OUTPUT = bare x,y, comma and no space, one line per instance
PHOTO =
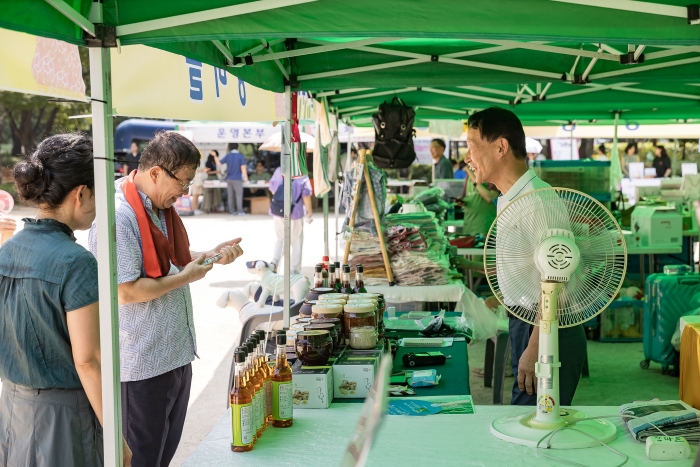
239,356
319,268
332,267
250,346
261,335
346,268
243,349
359,268
281,339
337,264
325,259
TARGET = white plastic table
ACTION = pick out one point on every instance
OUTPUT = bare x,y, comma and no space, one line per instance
319,437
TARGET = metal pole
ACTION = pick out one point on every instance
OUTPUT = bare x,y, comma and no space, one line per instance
287,173
325,225
336,186
103,147
571,141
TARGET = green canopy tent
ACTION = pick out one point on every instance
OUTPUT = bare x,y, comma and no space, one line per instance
462,55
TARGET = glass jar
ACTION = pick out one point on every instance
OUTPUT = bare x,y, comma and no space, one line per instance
363,337
337,322
330,310
313,348
330,327
358,316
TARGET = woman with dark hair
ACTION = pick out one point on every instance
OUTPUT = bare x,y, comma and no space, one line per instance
212,196
51,402
628,157
662,163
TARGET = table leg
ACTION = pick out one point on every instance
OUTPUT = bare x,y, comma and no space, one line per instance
500,362
641,269
489,361
652,264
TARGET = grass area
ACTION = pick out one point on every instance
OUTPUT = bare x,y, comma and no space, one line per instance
10,188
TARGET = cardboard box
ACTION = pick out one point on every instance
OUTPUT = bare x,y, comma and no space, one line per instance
313,387
353,373
259,204
658,226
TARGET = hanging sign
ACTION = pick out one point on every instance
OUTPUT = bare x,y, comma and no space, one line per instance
152,83
40,66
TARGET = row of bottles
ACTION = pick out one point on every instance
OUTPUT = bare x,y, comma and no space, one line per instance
340,283
260,395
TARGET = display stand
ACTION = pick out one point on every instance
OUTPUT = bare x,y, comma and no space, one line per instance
360,164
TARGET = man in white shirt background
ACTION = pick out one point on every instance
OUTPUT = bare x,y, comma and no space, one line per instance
497,154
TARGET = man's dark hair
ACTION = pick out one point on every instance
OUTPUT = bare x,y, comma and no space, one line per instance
232,147
439,142
58,165
170,150
495,122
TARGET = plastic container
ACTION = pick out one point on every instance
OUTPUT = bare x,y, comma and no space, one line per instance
363,338
622,321
358,316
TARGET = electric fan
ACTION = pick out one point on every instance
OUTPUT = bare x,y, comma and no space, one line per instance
560,259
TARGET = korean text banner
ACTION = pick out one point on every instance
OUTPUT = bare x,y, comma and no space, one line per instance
148,82
40,66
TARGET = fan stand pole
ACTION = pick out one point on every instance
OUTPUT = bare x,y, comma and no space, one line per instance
548,364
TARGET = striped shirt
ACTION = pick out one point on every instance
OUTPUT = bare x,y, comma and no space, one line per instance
156,336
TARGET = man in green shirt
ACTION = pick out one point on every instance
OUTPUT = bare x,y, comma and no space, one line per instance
442,167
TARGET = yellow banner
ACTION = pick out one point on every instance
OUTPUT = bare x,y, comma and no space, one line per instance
152,83
41,66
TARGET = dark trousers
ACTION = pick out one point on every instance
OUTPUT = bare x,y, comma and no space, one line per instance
153,414
572,355
234,191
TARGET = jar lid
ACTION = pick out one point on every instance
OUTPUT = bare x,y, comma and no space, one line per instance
322,290
359,309
328,307
311,327
331,296
315,332
366,295
324,320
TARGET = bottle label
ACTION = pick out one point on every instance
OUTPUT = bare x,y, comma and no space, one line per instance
261,408
242,424
282,400
268,397
256,411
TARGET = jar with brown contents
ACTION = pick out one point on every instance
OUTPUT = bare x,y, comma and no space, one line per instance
358,316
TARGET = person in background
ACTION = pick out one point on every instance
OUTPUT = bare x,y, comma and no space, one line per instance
212,196
442,167
260,175
600,154
197,188
629,156
662,163
497,154
7,227
460,174
155,266
131,158
477,201
51,402
301,198
236,175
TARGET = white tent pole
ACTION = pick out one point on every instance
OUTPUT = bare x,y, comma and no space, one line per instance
336,186
103,147
325,226
571,140
287,172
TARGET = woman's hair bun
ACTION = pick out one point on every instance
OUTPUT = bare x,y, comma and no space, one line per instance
58,165
31,179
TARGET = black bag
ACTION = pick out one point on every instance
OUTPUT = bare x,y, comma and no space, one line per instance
393,135
277,203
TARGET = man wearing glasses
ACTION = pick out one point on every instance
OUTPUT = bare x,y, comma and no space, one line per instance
155,266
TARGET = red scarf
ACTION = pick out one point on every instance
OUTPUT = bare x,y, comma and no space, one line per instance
158,251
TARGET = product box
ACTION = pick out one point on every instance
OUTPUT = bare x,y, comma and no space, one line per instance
313,387
353,373
658,226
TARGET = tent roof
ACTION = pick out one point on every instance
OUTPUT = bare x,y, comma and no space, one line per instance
463,55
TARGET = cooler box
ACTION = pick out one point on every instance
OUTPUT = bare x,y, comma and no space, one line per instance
667,298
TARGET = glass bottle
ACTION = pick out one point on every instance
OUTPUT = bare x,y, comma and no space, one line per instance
325,262
347,288
241,408
282,405
359,279
260,374
251,390
268,373
257,385
318,276
338,277
331,276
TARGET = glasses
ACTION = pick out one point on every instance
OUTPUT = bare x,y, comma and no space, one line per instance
185,186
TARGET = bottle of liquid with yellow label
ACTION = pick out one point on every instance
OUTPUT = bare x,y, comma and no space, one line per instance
260,374
268,375
242,431
257,385
251,389
282,391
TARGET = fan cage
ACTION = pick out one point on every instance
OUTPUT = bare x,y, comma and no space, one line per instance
509,259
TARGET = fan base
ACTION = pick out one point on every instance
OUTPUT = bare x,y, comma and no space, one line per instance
517,429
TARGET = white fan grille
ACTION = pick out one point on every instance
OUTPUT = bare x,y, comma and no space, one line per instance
515,234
